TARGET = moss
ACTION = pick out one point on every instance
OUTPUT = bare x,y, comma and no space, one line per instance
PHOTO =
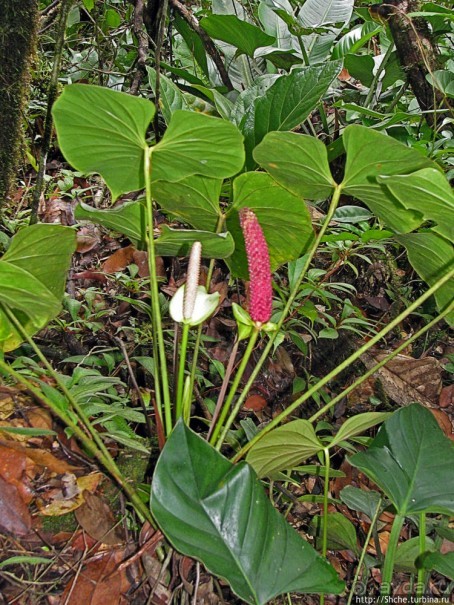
18,30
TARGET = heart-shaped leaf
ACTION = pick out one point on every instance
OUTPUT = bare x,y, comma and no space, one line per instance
360,500
219,513
194,200
371,154
101,130
32,279
245,36
432,256
284,219
284,447
412,461
297,162
195,143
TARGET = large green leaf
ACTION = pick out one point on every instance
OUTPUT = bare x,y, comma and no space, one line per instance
101,130
283,217
297,162
194,200
284,447
412,461
178,242
219,513
432,256
128,219
288,102
371,154
195,143
428,192
245,36
32,279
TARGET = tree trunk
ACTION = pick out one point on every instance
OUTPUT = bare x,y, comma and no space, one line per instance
416,53
18,29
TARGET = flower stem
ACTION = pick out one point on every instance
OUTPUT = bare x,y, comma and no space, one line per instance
215,438
422,548
181,367
325,511
162,394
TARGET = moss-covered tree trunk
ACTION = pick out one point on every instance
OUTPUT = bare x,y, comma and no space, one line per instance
416,53
18,28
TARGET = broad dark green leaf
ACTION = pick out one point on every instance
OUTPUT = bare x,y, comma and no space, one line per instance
428,192
178,242
444,564
284,448
371,154
194,200
352,214
341,532
283,217
288,102
32,279
432,256
195,143
412,461
360,67
219,513
101,130
128,219
297,162
193,42
244,36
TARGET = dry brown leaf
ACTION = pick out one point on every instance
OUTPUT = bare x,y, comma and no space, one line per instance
97,519
444,422
97,583
119,260
447,397
42,458
407,380
255,403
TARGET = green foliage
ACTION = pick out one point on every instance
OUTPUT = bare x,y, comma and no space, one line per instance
412,461
100,130
246,37
219,513
32,279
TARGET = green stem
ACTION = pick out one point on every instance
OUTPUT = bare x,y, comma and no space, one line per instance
422,548
105,460
233,391
345,364
303,50
161,361
181,367
325,511
363,552
388,565
377,75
